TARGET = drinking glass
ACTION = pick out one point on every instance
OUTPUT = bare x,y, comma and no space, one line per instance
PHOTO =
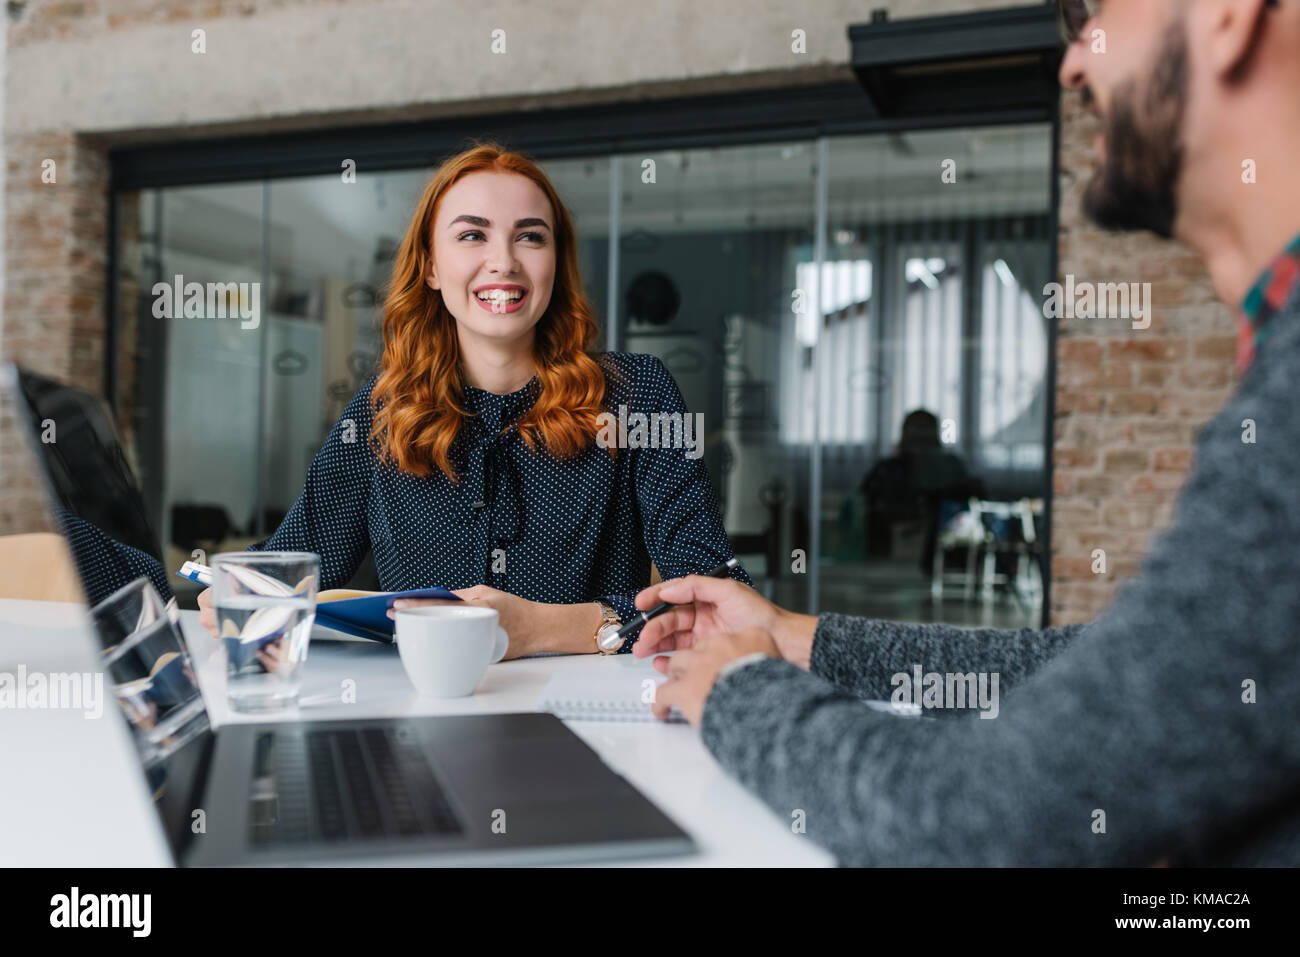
265,604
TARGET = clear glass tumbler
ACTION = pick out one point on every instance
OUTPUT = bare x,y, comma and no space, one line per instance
265,604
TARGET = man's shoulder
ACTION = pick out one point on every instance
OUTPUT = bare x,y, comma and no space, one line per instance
1255,436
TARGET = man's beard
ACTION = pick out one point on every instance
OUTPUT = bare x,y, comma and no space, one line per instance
1135,186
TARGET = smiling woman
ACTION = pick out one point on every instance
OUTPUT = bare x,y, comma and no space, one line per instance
472,462
485,223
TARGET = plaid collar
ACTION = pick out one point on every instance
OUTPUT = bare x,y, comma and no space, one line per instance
1270,292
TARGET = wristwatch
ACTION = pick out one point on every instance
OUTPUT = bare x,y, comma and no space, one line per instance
607,640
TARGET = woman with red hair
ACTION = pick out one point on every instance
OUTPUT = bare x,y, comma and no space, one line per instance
472,460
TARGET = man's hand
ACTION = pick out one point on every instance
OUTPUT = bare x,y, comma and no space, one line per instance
693,672
710,607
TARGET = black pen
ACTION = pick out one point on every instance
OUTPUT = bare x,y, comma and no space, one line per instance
722,571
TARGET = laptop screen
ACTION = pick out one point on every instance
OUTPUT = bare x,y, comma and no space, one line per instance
96,500
90,495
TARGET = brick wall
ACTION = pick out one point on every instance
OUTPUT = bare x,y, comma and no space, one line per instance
56,254
1128,401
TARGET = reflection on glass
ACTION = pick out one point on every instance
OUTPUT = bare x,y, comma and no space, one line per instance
146,661
712,256
930,398
189,387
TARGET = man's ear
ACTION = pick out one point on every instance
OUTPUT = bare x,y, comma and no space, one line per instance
1234,27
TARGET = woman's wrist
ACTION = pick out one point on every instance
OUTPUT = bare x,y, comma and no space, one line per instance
565,628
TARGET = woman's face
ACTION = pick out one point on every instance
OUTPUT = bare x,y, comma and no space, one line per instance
494,231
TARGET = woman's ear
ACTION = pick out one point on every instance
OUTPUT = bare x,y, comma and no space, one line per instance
432,278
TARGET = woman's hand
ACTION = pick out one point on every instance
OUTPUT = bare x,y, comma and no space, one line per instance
207,614
532,625
712,607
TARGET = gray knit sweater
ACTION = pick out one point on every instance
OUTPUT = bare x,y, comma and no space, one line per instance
1126,741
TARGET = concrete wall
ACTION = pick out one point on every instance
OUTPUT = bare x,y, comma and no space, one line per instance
127,65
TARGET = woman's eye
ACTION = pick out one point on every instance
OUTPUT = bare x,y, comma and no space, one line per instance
537,237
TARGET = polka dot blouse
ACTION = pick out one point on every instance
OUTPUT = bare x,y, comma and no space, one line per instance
103,563
525,522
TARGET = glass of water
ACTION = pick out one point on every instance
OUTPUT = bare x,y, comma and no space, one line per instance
145,659
265,604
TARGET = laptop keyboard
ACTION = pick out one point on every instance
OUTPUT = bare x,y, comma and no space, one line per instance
344,784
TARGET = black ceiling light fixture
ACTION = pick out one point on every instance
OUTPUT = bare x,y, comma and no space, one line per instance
986,60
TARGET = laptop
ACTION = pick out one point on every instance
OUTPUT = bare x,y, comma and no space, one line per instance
445,790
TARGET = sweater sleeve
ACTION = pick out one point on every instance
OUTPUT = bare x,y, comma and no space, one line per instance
1163,729
329,517
679,513
861,655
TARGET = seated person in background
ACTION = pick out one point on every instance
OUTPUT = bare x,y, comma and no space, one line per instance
914,483
475,460
1165,730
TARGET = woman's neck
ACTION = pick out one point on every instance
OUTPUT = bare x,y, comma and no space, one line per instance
498,368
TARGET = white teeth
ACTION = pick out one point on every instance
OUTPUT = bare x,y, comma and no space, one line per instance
498,295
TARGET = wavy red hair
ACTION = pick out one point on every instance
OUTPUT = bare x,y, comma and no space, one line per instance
418,397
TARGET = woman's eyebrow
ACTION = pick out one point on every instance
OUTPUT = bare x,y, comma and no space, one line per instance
485,223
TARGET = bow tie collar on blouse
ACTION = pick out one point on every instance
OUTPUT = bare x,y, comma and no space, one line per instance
489,480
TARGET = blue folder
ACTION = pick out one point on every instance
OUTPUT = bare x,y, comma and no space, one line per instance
367,616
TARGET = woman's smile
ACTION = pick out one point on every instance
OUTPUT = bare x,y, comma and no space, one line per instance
500,299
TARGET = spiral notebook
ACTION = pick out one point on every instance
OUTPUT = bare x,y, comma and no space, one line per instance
609,691
621,691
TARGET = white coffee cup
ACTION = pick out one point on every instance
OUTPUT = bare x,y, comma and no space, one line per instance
445,649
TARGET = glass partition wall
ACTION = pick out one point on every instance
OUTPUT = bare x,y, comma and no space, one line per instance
932,356
808,296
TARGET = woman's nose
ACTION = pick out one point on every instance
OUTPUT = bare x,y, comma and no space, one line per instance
501,257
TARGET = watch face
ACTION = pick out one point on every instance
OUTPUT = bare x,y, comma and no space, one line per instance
607,638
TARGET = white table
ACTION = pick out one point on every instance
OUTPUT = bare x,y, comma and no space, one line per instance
73,794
